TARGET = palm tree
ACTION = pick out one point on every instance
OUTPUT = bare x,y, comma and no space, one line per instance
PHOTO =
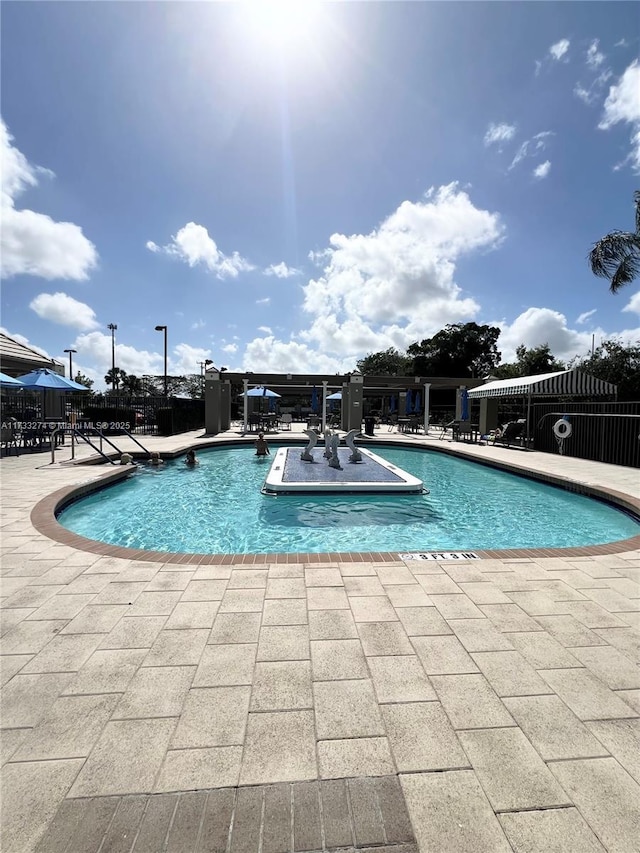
617,255
114,377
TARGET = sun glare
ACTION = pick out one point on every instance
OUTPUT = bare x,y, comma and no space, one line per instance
280,23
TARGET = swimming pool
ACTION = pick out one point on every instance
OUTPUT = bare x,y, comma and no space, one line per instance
217,508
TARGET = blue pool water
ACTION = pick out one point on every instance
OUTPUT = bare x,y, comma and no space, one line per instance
217,508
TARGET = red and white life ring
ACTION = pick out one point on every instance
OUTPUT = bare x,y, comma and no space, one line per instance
562,428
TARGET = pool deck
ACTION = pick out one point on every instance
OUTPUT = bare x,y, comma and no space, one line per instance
316,702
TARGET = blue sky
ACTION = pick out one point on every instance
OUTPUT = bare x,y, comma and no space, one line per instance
291,185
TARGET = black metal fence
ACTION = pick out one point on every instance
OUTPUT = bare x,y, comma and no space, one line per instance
604,432
147,415
140,415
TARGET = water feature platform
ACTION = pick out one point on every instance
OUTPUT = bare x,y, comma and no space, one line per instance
372,474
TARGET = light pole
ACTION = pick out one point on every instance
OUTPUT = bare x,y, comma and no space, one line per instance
164,329
114,380
71,351
203,369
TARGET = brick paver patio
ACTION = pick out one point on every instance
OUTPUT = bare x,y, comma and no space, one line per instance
151,706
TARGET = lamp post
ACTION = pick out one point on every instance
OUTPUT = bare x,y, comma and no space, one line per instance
164,329
114,378
71,351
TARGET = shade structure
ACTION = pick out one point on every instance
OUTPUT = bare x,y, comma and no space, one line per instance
563,382
464,405
260,391
9,381
336,396
47,380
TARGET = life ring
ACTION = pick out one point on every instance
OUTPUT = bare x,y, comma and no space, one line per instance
562,428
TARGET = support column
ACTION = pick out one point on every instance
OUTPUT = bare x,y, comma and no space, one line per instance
225,405
427,386
356,399
212,402
488,414
324,404
245,415
344,408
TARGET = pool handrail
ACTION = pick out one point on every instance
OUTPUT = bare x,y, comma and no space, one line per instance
74,431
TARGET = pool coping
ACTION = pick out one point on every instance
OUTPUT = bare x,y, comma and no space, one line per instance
44,517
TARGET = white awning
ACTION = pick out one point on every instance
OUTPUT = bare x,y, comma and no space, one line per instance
562,383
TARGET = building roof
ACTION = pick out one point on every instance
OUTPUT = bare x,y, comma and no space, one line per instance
17,358
570,383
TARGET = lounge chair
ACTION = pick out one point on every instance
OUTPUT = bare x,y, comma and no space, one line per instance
511,432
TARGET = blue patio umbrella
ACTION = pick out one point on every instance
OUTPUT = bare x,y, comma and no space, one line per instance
46,380
336,396
393,404
464,410
417,403
314,400
260,391
7,381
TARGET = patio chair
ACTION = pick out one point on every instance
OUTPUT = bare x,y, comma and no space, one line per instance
450,425
255,422
511,432
9,438
286,420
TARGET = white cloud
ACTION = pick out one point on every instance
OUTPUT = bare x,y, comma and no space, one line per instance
95,348
595,57
585,316
559,49
264,301
281,270
538,326
531,147
230,348
390,287
32,243
542,170
193,245
498,133
405,268
198,324
623,105
186,359
63,309
269,355
265,329
633,304
594,92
